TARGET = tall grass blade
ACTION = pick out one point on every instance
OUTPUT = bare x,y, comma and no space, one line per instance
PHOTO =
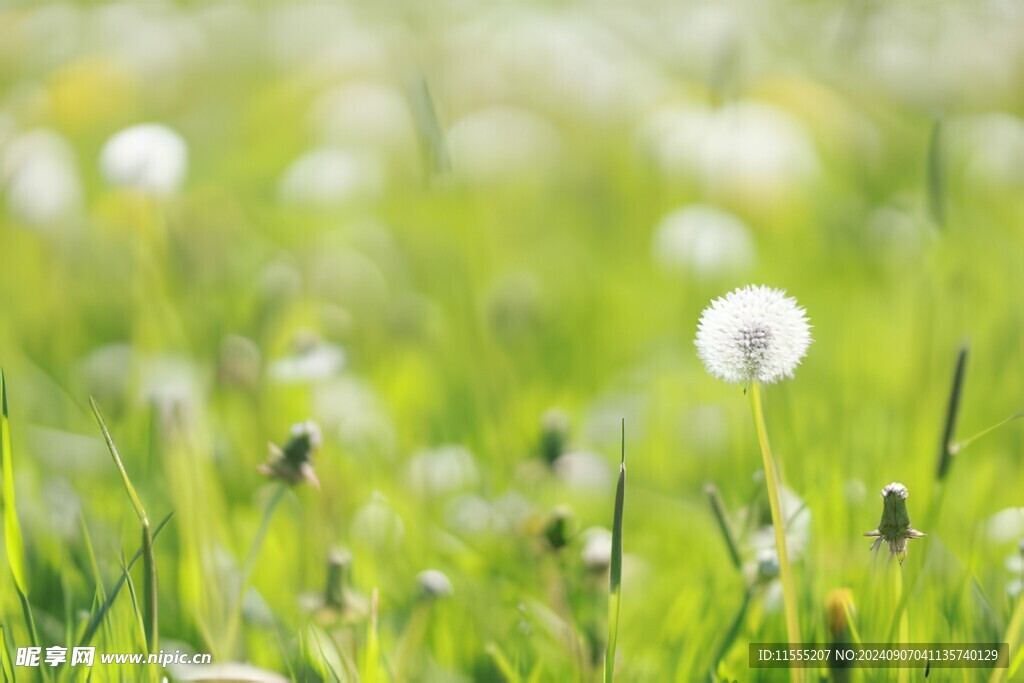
12,530
149,583
504,666
615,573
98,616
371,667
5,657
428,126
936,176
952,411
724,526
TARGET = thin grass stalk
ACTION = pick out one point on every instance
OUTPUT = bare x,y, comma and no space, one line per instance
903,673
722,517
97,618
730,634
371,666
12,529
778,524
149,583
615,571
250,561
937,175
1013,638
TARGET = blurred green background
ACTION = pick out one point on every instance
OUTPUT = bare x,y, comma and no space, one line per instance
426,226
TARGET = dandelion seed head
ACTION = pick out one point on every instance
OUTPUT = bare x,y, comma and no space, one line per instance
897,489
754,333
147,157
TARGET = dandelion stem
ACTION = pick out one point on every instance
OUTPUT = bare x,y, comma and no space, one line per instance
904,628
250,561
778,524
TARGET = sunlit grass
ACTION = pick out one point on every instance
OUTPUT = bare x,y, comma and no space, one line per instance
469,301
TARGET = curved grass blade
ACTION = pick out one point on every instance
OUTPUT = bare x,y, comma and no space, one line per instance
936,176
149,583
722,517
615,573
12,530
946,450
97,617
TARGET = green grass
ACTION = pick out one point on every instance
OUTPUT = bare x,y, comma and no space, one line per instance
467,311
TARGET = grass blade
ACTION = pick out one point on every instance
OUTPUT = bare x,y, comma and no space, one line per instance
12,530
952,411
615,573
97,617
149,583
722,517
936,176
371,667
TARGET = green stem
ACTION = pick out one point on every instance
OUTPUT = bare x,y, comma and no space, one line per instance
778,524
903,673
250,562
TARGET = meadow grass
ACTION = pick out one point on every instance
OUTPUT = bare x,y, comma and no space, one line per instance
466,309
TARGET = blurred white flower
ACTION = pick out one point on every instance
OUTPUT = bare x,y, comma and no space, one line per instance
311,360
597,548
364,113
754,333
993,148
377,525
148,157
703,240
434,583
1006,525
328,177
441,470
583,470
353,415
745,146
798,526
498,142
38,172
176,388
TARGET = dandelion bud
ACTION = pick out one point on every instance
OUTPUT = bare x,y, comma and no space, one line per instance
293,463
554,435
434,584
894,527
838,603
558,530
767,565
339,564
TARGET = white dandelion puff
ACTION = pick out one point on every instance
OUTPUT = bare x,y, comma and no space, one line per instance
754,333
148,157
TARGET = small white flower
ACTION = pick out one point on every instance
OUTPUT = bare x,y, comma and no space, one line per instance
148,157
753,334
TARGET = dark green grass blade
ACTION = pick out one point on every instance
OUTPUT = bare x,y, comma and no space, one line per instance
936,176
97,617
724,526
149,583
12,530
952,411
615,573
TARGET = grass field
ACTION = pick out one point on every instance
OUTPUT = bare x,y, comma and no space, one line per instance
468,243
